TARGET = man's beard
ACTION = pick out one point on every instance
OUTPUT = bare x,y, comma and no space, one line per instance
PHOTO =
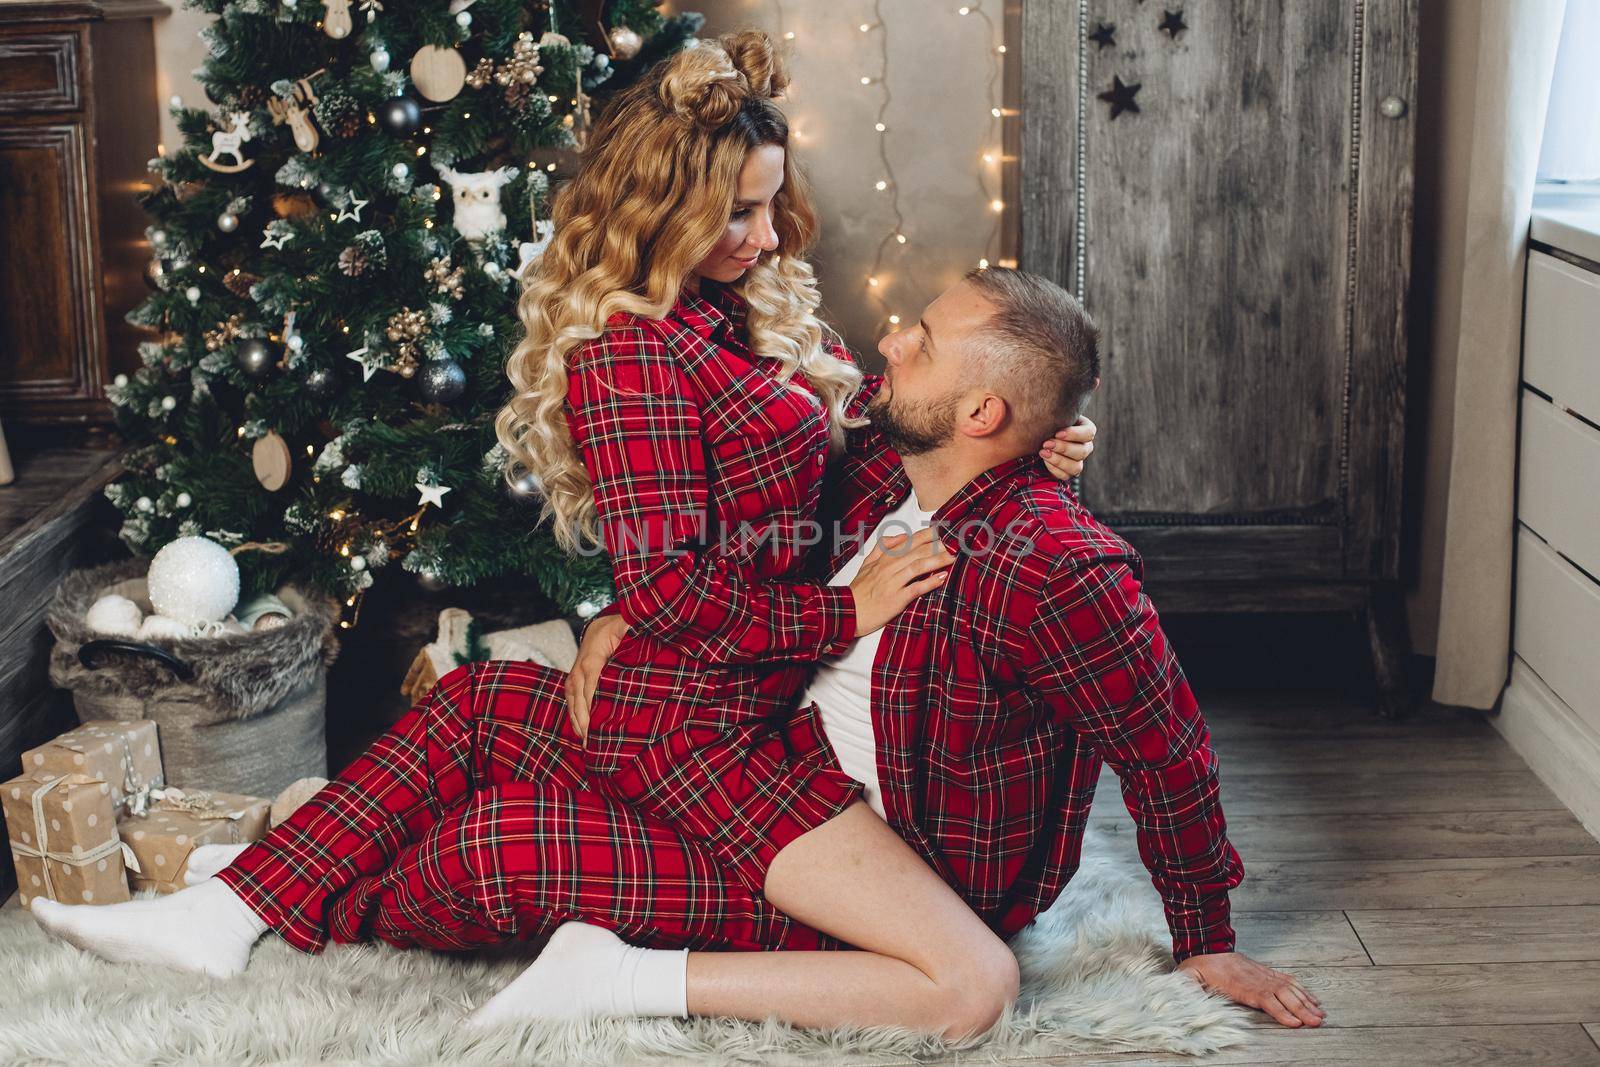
914,429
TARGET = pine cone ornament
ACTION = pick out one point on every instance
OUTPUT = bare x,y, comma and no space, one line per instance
353,261
252,96
338,113
239,282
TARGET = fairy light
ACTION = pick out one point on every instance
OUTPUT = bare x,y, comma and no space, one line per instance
990,171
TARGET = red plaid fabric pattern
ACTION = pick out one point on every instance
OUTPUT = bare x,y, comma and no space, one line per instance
997,696
706,470
469,823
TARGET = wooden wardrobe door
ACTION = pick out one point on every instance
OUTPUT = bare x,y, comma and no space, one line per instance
1243,240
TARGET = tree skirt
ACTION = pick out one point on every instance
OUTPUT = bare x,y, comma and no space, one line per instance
1095,978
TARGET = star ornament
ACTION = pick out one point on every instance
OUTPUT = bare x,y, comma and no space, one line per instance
368,360
431,494
275,238
1104,35
1121,97
352,211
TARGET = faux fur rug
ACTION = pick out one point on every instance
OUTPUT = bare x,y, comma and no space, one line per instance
1095,978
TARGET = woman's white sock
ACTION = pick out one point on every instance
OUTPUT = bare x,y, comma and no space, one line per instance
204,928
206,860
587,971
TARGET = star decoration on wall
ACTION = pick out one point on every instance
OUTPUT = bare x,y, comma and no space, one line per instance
1120,96
1172,23
353,209
369,362
431,494
1104,35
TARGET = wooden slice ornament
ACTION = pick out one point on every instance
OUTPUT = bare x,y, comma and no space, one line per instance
272,463
438,73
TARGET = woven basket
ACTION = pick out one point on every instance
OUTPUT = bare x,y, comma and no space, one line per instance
243,713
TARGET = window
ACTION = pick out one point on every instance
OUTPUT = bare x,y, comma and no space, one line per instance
1570,150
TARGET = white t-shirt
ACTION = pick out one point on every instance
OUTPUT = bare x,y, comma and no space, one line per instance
842,685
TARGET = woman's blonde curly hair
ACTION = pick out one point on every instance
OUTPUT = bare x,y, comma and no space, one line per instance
652,198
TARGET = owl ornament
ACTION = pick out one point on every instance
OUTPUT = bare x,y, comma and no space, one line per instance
477,200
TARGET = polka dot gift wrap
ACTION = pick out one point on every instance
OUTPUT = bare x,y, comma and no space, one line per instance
62,834
179,821
124,755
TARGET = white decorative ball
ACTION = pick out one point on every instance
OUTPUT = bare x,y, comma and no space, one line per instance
463,19
161,626
192,294
168,403
379,59
587,610
193,580
357,563
113,614
145,504
120,381
175,100
184,500
400,170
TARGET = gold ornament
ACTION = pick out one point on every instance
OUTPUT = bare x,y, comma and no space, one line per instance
523,66
406,329
224,333
481,74
447,279
625,43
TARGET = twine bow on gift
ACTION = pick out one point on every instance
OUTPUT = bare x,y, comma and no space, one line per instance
77,857
201,805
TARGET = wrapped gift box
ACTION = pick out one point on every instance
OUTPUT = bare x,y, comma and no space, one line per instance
177,822
63,834
126,755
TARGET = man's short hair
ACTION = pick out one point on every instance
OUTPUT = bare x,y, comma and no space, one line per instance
1040,349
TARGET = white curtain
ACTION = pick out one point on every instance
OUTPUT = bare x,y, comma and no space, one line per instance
1571,147
1517,49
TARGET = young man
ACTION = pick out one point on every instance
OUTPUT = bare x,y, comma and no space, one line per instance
979,717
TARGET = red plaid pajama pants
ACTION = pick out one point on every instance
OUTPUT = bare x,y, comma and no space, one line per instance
472,821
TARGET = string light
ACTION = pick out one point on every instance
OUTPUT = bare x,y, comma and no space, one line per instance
992,186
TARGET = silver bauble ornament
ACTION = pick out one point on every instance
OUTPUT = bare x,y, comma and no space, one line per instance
442,381
255,357
400,116
379,59
526,488
227,222
322,384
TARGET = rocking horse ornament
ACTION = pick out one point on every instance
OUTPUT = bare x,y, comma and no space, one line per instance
227,142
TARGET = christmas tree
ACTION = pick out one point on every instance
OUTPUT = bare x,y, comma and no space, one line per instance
338,250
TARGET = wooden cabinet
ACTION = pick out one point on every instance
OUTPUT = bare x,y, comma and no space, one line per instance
78,121
1242,236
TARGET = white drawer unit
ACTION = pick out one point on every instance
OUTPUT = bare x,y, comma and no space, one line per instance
1551,710
1561,334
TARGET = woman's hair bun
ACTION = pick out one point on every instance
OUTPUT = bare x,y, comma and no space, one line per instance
709,81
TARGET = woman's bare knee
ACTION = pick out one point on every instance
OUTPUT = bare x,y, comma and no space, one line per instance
975,992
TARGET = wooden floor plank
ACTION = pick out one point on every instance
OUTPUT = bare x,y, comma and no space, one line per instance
1594,1032
1414,1046
1423,835
1267,713
1446,883
1299,794
1480,935
1299,939
1453,994
1367,755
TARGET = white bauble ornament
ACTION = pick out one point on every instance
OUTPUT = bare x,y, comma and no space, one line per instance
477,200
192,294
113,614
193,580
400,170
379,59
184,500
168,403
160,626
145,504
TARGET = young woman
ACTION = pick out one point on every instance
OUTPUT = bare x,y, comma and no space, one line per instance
675,396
